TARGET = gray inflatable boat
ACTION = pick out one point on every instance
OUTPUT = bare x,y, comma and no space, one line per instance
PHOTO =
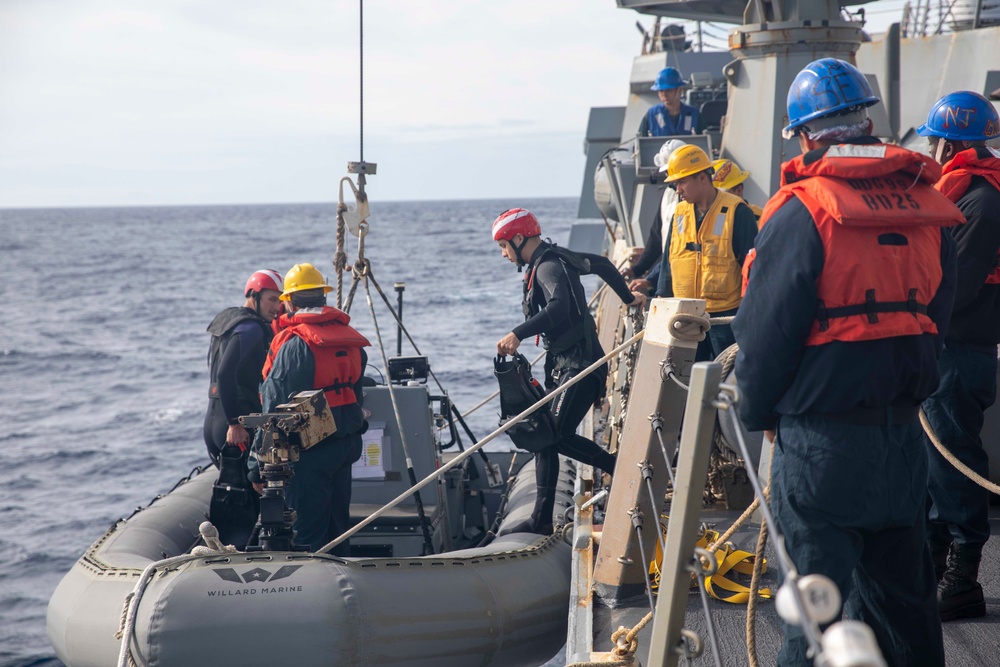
503,604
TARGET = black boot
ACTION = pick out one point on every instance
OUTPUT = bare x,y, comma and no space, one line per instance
939,540
541,516
959,594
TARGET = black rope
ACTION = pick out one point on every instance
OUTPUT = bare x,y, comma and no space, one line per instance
399,322
502,507
410,472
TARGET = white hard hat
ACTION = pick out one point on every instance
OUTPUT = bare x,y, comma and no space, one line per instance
666,150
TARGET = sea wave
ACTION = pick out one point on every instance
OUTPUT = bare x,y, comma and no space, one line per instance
104,349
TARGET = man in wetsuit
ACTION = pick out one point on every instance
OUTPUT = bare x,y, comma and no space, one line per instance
555,308
240,338
958,127
316,348
845,312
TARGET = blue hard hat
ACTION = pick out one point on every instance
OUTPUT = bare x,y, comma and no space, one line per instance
825,87
962,116
668,78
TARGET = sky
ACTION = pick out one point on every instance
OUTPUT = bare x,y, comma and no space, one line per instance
169,102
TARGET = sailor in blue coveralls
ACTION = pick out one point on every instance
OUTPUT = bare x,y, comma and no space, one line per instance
958,509
670,116
316,348
846,310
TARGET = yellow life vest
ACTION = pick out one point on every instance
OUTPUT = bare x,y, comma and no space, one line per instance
702,263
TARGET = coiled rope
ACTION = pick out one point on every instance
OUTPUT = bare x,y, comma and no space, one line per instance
689,327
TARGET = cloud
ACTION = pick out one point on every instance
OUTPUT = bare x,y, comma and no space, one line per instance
202,98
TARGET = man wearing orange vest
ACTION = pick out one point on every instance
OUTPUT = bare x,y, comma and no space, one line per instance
845,313
316,348
958,127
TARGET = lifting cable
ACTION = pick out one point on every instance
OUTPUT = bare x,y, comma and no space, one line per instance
399,322
361,272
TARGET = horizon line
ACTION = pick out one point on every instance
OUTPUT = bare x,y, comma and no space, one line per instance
278,203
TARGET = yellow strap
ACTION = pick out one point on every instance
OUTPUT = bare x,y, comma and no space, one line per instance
729,559
738,561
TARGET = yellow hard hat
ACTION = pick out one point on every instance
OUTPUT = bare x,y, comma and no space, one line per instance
728,174
302,277
686,161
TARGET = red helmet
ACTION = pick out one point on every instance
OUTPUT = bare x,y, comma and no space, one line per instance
262,280
515,221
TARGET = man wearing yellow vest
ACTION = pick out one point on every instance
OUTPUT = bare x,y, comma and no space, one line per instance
316,348
711,234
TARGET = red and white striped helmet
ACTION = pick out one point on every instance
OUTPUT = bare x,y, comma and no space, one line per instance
515,221
262,280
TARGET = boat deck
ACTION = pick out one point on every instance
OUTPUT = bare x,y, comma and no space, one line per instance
967,642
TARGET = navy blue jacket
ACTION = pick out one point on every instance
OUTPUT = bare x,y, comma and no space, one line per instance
293,371
976,320
779,375
658,123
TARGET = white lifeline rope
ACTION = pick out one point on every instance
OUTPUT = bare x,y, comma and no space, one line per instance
124,653
214,547
479,445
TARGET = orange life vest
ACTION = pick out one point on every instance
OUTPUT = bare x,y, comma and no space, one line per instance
957,175
879,220
335,345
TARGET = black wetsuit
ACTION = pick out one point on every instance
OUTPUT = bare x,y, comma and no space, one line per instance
240,339
556,309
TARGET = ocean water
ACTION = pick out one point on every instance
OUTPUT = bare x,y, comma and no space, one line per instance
103,382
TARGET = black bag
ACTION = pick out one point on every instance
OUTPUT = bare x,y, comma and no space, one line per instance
519,391
235,504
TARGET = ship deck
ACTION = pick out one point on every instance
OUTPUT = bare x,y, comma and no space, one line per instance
967,642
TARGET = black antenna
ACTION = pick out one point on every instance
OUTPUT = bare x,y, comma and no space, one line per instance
361,76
